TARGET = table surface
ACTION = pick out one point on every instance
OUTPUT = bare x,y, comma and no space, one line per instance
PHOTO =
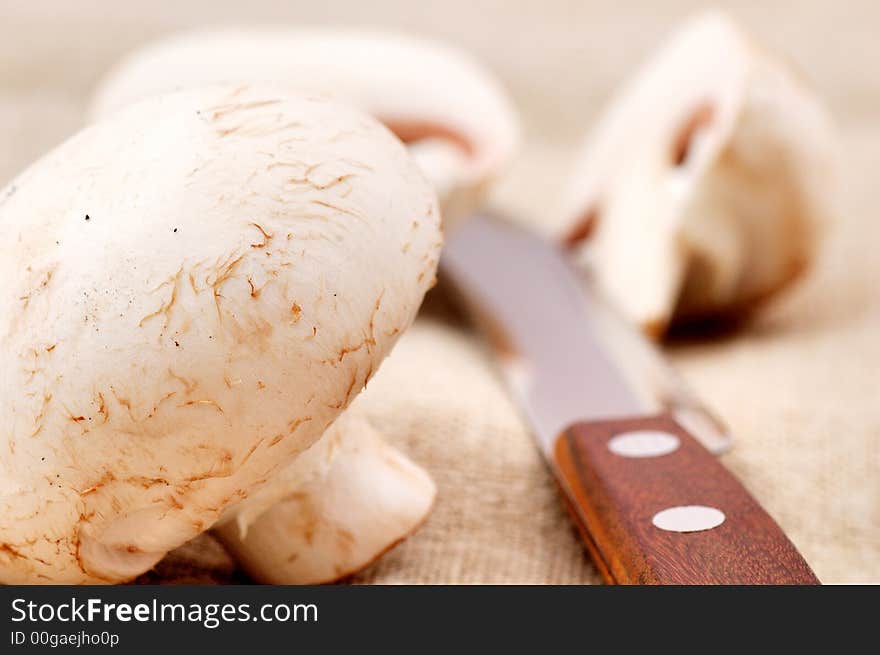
798,386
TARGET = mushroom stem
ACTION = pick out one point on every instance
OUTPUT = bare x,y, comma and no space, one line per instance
338,507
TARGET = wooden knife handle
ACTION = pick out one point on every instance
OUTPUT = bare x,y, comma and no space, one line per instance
618,489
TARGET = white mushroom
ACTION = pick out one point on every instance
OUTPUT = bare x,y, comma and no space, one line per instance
699,192
191,291
340,505
448,107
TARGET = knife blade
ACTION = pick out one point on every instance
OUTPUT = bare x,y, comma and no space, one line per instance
627,441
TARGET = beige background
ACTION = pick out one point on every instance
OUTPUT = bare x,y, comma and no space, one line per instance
800,386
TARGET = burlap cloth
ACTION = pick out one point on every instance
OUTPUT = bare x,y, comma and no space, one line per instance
800,386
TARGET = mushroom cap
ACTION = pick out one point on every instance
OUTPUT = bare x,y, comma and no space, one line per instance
334,510
699,191
192,290
424,91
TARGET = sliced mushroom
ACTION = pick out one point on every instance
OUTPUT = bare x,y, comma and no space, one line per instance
191,292
699,192
344,502
447,106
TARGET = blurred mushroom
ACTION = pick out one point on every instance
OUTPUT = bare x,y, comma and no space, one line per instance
699,192
455,116
338,507
193,290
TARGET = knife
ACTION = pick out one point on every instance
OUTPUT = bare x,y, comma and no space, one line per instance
630,448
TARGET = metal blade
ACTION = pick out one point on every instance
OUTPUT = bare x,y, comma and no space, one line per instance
565,355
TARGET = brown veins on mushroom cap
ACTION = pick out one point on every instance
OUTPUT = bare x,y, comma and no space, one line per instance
210,403
166,305
225,110
41,286
41,415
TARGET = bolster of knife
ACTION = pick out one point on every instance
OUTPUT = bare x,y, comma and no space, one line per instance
655,507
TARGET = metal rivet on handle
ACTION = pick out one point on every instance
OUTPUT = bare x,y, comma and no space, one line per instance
688,518
643,443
